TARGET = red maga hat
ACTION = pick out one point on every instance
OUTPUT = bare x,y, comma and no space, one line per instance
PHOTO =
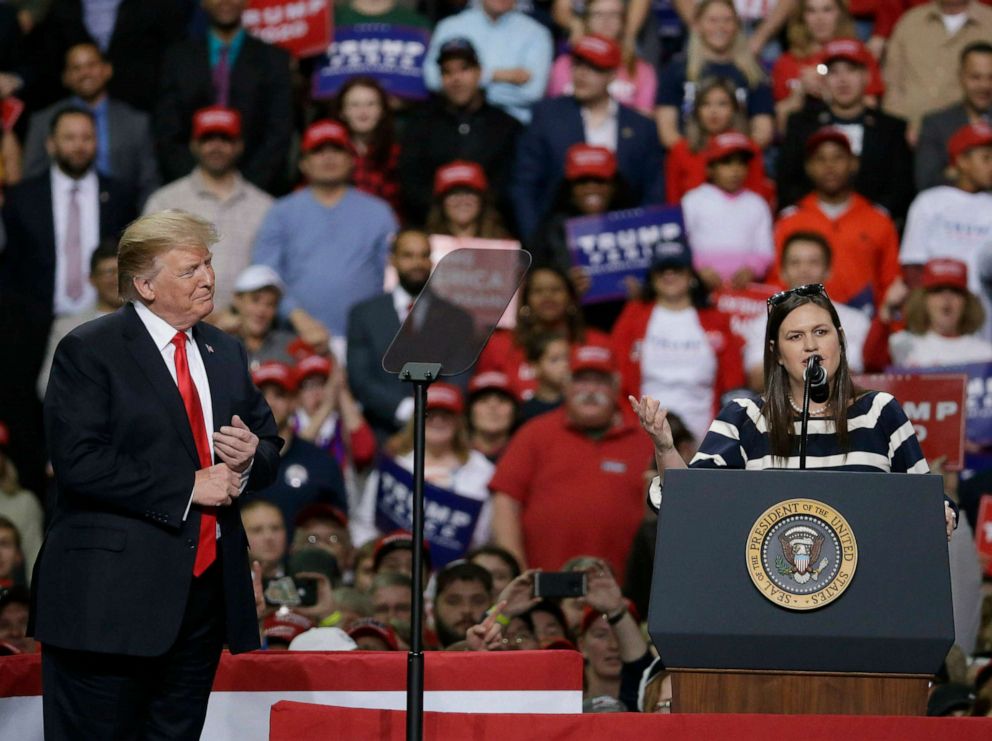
726,144
599,51
371,627
969,137
445,396
217,119
272,371
585,161
944,272
827,134
459,174
594,358
324,132
490,381
313,365
850,50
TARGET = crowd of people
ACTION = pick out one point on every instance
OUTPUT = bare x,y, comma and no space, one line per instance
806,141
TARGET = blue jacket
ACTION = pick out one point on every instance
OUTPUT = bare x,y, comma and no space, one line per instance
540,162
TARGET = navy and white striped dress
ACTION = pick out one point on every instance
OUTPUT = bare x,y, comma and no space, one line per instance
880,438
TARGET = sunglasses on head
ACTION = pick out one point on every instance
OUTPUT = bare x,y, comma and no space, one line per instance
811,289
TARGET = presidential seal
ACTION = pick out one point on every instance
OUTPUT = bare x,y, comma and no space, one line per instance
801,554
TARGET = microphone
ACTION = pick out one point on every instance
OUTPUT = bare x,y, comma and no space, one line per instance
816,374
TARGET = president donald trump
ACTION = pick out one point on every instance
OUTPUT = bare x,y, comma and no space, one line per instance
154,431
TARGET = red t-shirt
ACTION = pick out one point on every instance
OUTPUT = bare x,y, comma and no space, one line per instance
685,170
503,354
785,75
578,496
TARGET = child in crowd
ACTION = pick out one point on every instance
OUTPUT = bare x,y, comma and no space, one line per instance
491,413
717,111
328,416
729,227
942,322
547,354
257,293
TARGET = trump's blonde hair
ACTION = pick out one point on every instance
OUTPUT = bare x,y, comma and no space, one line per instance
148,237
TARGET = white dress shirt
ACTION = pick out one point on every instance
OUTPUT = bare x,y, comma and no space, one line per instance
402,302
162,333
89,232
605,134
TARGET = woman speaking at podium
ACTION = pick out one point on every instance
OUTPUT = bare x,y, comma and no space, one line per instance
854,430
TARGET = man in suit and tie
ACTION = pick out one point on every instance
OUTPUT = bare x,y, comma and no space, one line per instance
54,221
226,67
975,106
444,331
589,115
154,431
125,150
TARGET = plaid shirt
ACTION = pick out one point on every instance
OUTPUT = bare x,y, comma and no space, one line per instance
383,182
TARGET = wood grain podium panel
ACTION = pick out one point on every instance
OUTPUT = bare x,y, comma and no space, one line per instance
799,693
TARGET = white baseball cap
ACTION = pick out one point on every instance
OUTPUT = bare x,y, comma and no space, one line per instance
255,277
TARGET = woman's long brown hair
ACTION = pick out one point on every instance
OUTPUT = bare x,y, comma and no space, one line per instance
778,412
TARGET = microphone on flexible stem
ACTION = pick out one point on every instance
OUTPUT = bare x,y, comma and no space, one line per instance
819,387
815,389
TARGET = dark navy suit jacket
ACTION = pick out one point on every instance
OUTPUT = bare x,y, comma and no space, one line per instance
540,162
114,572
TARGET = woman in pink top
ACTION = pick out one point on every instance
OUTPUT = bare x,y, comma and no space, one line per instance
636,81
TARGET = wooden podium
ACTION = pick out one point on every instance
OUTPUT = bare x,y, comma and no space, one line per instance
798,693
801,592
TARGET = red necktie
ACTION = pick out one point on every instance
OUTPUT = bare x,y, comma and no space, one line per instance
206,549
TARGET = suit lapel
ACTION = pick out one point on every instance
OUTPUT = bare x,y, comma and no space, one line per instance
46,206
219,404
139,343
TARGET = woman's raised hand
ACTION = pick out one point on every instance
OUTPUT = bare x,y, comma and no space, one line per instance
654,420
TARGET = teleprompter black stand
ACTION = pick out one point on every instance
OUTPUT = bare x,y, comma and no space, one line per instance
871,650
443,334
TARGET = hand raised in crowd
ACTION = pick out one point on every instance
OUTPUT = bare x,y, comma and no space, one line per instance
894,298
487,635
216,486
226,321
325,597
654,420
310,330
257,589
711,278
235,445
518,596
741,278
602,591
